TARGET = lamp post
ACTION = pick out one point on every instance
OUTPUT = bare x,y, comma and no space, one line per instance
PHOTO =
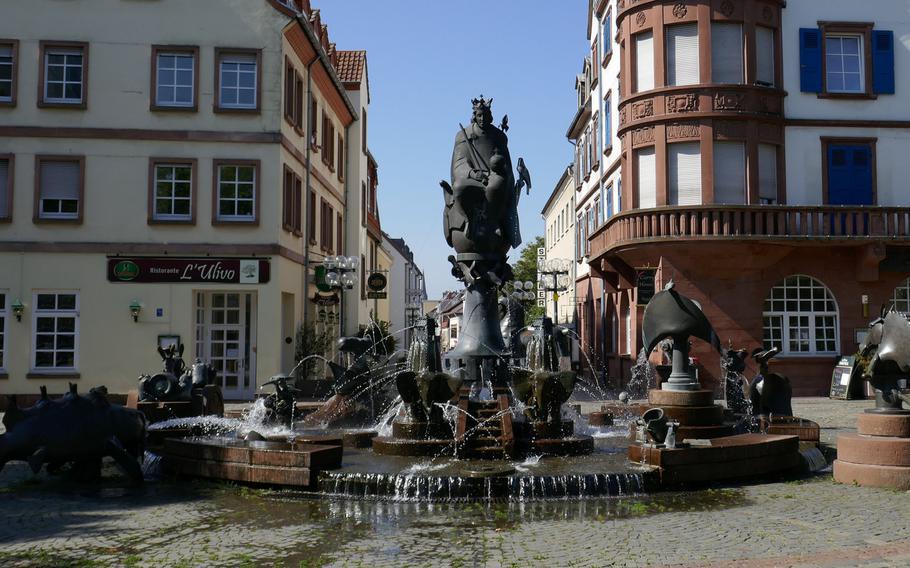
554,278
340,275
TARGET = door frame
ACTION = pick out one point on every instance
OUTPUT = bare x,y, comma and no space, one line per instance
249,332
838,141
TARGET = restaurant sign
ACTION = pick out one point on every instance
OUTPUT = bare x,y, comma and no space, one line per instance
188,270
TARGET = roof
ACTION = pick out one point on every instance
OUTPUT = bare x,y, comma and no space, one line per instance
351,64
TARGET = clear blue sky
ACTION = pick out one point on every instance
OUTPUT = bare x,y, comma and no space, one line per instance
426,60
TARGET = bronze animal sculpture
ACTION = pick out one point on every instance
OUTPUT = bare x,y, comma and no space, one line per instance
543,388
769,392
175,382
280,405
75,429
888,348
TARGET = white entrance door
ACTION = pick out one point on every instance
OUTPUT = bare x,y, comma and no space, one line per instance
226,337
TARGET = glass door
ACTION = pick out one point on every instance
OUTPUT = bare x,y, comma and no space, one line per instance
225,337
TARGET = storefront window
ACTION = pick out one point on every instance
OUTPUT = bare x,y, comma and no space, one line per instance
800,316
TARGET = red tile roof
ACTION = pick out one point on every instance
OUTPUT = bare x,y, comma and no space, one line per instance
350,65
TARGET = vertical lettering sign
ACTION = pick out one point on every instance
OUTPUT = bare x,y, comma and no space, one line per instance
645,283
188,270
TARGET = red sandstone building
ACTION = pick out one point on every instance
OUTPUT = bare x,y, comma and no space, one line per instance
761,148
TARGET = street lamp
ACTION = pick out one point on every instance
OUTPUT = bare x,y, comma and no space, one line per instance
339,274
554,278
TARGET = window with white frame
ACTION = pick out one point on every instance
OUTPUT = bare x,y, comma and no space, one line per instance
175,79
684,173
63,75
729,172
900,299
4,318
7,65
55,335
767,173
644,62
173,192
800,317
238,76
844,72
764,56
647,177
682,54
236,192
727,52
59,189
628,317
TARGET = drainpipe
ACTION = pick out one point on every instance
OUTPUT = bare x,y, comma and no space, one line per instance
306,198
344,231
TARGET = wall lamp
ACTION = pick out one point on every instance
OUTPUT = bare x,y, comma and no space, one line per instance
18,308
135,308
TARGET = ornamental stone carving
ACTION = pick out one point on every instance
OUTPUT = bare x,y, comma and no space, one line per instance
640,19
643,109
643,136
620,5
622,116
680,10
728,101
727,8
678,130
687,102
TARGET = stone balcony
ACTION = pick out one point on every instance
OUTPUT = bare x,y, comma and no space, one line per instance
779,224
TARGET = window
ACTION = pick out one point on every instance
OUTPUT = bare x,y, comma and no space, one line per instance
684,173
628,317
800,316
314,114
328,141
363,130
764,56
363,203
767,173
339,237
289,92
172,191
326,226
6,187
237,78
730,173
608,207
647,177
9,56
55,325
236,191
682,54
644,62
64,72
339,167
298,101
59,188
4,318
607,35
900,299
844,64
608,125
175,77
849,171
726,53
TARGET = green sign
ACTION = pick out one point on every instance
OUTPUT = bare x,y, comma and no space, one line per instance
321,284
126,270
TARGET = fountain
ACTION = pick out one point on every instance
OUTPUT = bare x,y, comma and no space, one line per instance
878,455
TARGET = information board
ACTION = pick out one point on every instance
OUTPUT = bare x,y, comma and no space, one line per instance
842,378
645,283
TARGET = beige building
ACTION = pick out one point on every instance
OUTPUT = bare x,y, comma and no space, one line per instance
559,241
167,183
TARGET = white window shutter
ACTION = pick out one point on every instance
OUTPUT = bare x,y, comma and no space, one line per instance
682,54
60,180
730,173
644,62
647,178
726,53
764,55
684,173
767,173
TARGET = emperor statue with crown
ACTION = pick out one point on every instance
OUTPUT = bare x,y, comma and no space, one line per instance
480,219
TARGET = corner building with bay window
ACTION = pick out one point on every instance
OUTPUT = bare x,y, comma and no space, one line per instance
763,170
175,181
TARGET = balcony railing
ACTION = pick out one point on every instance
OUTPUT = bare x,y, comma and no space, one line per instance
793,223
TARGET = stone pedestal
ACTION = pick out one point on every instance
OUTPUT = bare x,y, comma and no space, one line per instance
878,455
695,411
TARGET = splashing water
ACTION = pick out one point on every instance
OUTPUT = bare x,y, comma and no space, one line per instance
642,376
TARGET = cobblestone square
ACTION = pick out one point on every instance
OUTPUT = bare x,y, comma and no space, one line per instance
176,522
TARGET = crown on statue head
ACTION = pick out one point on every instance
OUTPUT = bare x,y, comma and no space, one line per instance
482,103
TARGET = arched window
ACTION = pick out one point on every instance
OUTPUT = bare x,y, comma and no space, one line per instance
901,297
800,317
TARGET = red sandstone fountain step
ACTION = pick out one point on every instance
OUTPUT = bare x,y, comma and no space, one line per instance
251,462
895,425
731,457
657,397
874,450
869,475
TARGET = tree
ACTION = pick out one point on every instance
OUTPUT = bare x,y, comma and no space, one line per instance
525,269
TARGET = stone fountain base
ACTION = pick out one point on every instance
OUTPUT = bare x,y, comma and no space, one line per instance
415,439
878,455
698,416
730,457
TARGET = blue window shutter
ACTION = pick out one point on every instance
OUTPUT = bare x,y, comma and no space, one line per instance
883,62
810,60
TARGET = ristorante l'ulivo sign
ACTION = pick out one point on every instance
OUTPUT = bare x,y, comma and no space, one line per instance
188,270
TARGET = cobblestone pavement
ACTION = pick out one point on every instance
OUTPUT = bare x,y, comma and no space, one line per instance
806,522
